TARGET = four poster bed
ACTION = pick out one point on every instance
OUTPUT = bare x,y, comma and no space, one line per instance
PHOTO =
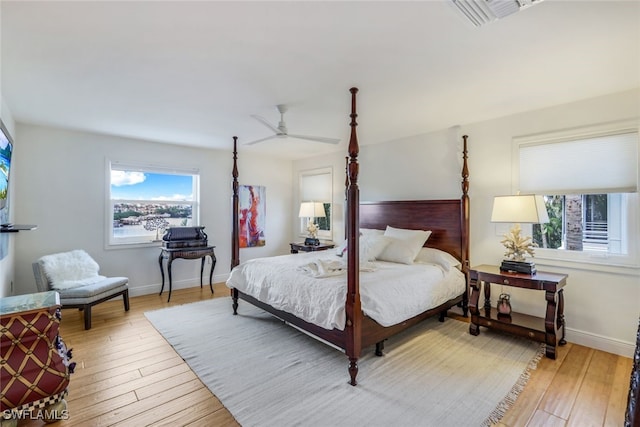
356,322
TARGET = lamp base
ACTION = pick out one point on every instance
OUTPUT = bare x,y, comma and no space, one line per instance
311,242
518,266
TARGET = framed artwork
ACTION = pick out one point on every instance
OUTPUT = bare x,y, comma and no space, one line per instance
252,215
6,147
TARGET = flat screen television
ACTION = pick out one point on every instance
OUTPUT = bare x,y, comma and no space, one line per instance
6,147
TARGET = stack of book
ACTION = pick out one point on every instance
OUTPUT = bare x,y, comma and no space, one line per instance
518,266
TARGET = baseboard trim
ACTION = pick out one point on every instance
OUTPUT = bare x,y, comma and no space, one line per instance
153,288
600,342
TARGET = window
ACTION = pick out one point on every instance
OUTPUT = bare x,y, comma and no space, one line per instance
316,186
145,200
589,179
584,222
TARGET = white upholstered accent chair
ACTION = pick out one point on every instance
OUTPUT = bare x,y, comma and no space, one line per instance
74,275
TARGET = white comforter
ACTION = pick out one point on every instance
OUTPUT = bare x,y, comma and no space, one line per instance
390,293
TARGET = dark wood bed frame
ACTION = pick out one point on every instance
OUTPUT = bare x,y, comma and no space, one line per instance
447,219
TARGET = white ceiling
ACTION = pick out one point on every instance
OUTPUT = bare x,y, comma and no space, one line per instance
193,73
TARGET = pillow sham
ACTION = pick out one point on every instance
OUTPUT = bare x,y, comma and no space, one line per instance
404,244
438,257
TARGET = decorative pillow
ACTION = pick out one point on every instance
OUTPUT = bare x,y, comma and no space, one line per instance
438,257
70,269
404,245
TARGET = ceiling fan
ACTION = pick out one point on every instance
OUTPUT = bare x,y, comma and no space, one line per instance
281,130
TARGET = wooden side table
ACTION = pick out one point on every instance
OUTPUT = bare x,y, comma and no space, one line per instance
539,329
301,247
187,253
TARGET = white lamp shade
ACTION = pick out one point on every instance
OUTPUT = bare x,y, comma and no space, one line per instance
526,208
311,210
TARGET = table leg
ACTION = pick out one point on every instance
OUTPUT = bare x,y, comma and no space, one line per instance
202,260
213,265
487,296
550,324
474,328
170,279
561,323
161,272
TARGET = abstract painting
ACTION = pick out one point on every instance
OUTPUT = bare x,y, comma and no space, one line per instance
252,207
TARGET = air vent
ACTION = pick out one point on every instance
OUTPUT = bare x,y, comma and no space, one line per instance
481,12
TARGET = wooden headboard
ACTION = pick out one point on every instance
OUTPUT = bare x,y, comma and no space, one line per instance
445,219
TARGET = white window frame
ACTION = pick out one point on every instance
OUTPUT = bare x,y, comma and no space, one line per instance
328,198
112,242
630,202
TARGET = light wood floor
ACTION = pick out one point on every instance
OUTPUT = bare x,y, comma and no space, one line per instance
127,375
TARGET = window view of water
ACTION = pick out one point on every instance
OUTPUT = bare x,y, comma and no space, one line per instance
139,230
145,204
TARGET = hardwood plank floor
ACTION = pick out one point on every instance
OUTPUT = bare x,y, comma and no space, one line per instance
128,375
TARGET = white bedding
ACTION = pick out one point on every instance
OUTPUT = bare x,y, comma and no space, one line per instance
390,292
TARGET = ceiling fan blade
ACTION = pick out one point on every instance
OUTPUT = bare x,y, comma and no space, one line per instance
266,123
261,139
316,138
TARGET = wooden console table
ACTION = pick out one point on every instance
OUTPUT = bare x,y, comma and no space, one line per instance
538,329
187,253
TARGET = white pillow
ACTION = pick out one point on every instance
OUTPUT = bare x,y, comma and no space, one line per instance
404,245
369,231
438,257
371,246
70,269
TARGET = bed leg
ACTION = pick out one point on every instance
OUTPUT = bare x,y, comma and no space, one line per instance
465,307
379,348
353,370
234,296
443,314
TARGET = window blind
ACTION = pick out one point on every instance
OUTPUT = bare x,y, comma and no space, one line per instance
603,164
316,188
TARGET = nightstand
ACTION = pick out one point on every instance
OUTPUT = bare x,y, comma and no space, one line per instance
301,247
539,329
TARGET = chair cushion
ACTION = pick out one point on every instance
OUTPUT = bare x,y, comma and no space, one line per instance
105,286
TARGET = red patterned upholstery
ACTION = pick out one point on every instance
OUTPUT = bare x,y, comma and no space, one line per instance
34,364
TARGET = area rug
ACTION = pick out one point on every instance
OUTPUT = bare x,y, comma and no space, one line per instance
267,373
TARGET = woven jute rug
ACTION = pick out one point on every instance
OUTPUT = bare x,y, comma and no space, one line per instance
268,373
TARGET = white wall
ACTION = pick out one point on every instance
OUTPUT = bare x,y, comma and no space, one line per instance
602,304
59,178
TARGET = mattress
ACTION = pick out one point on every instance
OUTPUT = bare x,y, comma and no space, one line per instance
390,293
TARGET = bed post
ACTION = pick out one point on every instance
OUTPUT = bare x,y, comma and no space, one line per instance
346,194
235,238
465,224
353,326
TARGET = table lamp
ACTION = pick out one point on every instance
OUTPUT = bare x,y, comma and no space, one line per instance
312,210
526,208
